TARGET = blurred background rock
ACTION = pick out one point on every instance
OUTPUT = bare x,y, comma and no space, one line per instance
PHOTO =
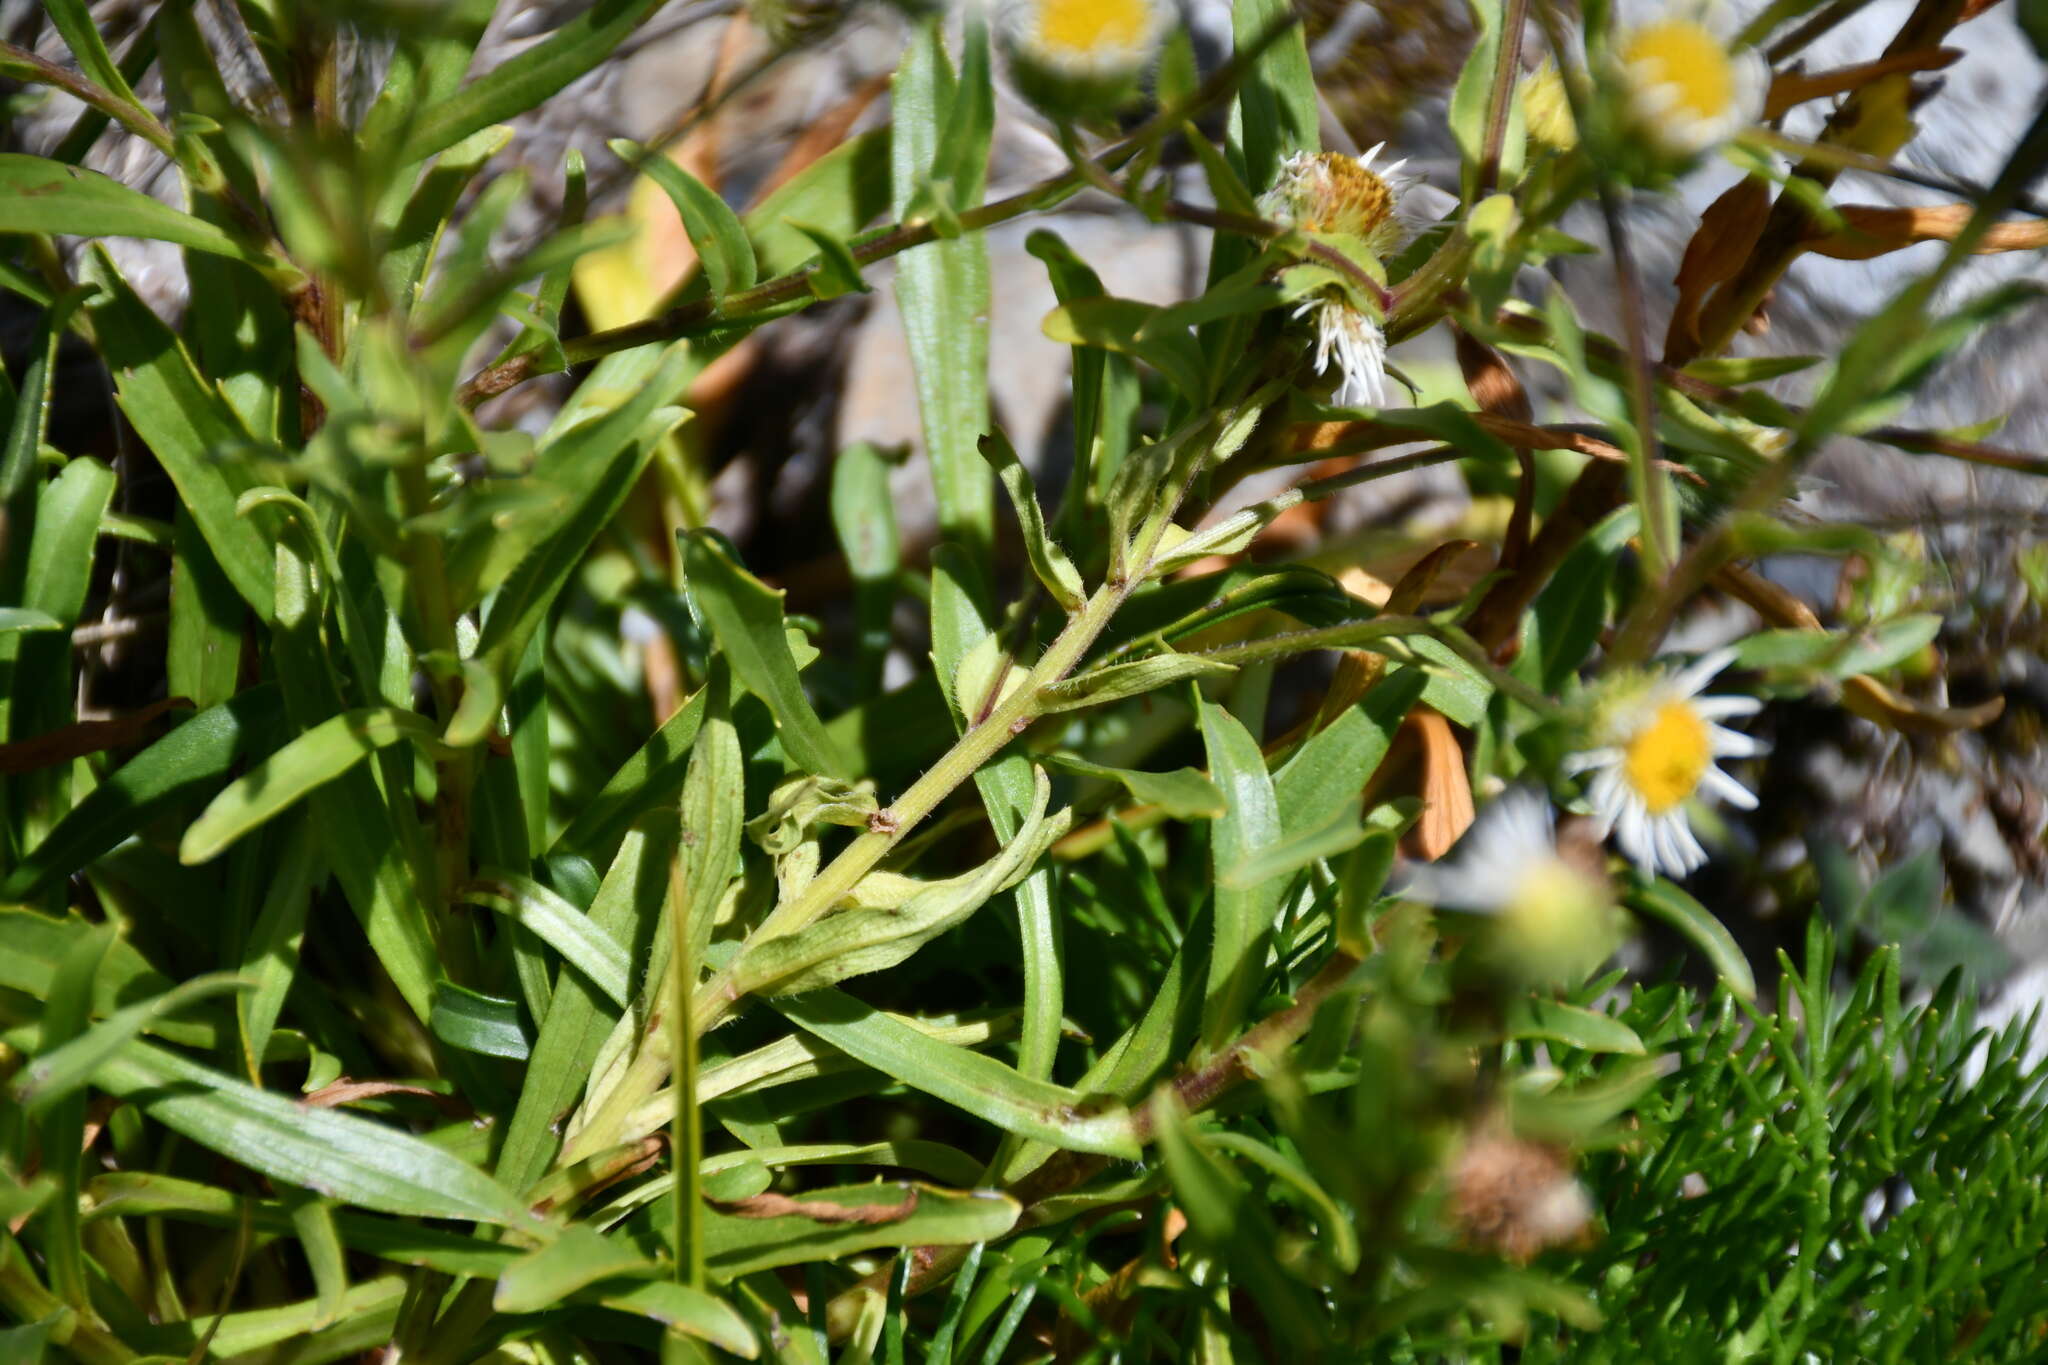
745,94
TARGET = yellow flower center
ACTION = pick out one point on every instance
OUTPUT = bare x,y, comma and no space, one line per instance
1687,59
1551,900
1354,200
1557,924
1088,27
1665,760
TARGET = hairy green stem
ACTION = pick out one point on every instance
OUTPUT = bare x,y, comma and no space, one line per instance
716,999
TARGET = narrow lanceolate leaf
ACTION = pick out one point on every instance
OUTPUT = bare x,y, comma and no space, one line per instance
651,777
857,941
63,1070
746,616
37,947
82,36
314,759
367,828
26,423
523,81
1117,681
577,1259
579,1016
13,619
1123,326
37,195
1243,915
1279,108
188,426
981,1085
864,518
1183,794
1323,779
714,229
1293,851
65,1015
203,651
313,1221
1663,901
597,461
943,290
475,1022
138,1194
37,695
270,955
1048,561
346,1158
582,944
175,769
1558,1022
687,1310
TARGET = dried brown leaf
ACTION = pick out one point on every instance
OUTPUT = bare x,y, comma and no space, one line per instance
1792,88
1727,234
1874,231
84,737
1446,786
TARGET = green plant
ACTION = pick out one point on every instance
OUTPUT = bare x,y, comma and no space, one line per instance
1062,1000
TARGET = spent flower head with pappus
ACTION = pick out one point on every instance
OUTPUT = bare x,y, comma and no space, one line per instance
1080,58
1354,207
1653,745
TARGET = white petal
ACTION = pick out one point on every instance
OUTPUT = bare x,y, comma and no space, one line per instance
1701,671
1726,743
1689,844
1728,789
1574,764
1726,707
1611,800
1663,857
1633,833
1752,83
1453,886
1683,853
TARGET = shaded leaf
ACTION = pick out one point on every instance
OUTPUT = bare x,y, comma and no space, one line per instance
746,616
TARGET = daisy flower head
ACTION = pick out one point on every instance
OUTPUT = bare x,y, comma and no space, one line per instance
1686,89
1329,194
1553,918
1081,56
1658,744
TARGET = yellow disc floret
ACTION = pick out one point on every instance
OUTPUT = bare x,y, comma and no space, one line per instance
1086,28
1665,759
1333,193
1689,63
1359,202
